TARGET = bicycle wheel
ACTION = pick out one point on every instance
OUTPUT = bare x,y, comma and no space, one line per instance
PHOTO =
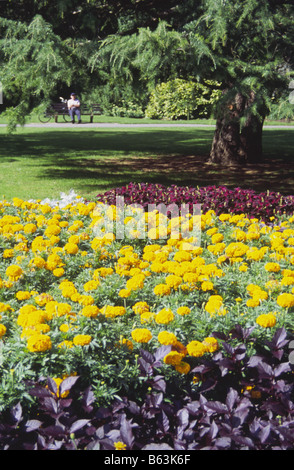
66,117
44,117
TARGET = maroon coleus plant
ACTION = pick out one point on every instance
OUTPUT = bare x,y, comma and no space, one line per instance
221,199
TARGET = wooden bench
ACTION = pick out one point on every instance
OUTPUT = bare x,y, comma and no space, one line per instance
57,109
93,110
60,109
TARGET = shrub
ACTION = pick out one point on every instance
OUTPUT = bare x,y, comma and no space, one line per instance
181,99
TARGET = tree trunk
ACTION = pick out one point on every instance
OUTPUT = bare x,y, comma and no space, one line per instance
234,144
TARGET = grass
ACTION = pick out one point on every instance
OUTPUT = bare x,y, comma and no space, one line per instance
42,162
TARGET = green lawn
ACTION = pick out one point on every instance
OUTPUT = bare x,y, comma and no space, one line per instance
37,163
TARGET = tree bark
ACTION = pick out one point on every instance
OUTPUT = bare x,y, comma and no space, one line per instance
233,143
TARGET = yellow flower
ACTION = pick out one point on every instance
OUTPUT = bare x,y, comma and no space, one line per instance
82,340
183,367
266,320
113,311
183,310
196,349
90,311
91,285
119,445
215,305
23,295
237,249
66,344
173,358
136,282
127,343
173,281
38,261
285,300
141,335
272,267
2,330
206,286
211,344
52,230
14,272
161,289
166,338
71,248
164,317
243,268
254,302
9,253
39,343
140,307
58,381
125,293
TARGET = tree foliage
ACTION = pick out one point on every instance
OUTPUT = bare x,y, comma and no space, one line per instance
121,50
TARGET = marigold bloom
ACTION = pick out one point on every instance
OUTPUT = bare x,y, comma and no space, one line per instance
23,295
164,317
111,311
71,248
141,335
66,344
90,311
285,300
183,367
140,307
91,285
183,310
2,330
211,344
82,340
173,281
125,293
266,320
166,338
196,349
119,445
272,267
14,272
237,249
161,289
39,343
173,358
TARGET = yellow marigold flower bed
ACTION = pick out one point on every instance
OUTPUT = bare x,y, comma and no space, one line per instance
73,292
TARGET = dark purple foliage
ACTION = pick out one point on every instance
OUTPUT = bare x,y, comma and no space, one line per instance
240,401
218,198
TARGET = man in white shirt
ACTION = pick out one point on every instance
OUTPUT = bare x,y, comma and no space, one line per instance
73,105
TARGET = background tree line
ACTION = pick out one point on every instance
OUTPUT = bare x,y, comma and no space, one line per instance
237,54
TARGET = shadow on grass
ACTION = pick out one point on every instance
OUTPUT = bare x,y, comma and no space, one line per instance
103,159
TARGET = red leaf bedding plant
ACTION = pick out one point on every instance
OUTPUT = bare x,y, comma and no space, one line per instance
218,198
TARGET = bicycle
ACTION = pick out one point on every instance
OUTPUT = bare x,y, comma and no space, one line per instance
57,108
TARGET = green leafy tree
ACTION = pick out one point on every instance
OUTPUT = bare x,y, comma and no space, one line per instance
244,44
35,62
250,42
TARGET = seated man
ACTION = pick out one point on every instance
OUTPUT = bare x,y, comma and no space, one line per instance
74,108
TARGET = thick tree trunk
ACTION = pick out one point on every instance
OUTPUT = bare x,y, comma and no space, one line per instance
234,144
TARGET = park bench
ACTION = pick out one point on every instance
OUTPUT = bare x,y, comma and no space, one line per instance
92,110
60,109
